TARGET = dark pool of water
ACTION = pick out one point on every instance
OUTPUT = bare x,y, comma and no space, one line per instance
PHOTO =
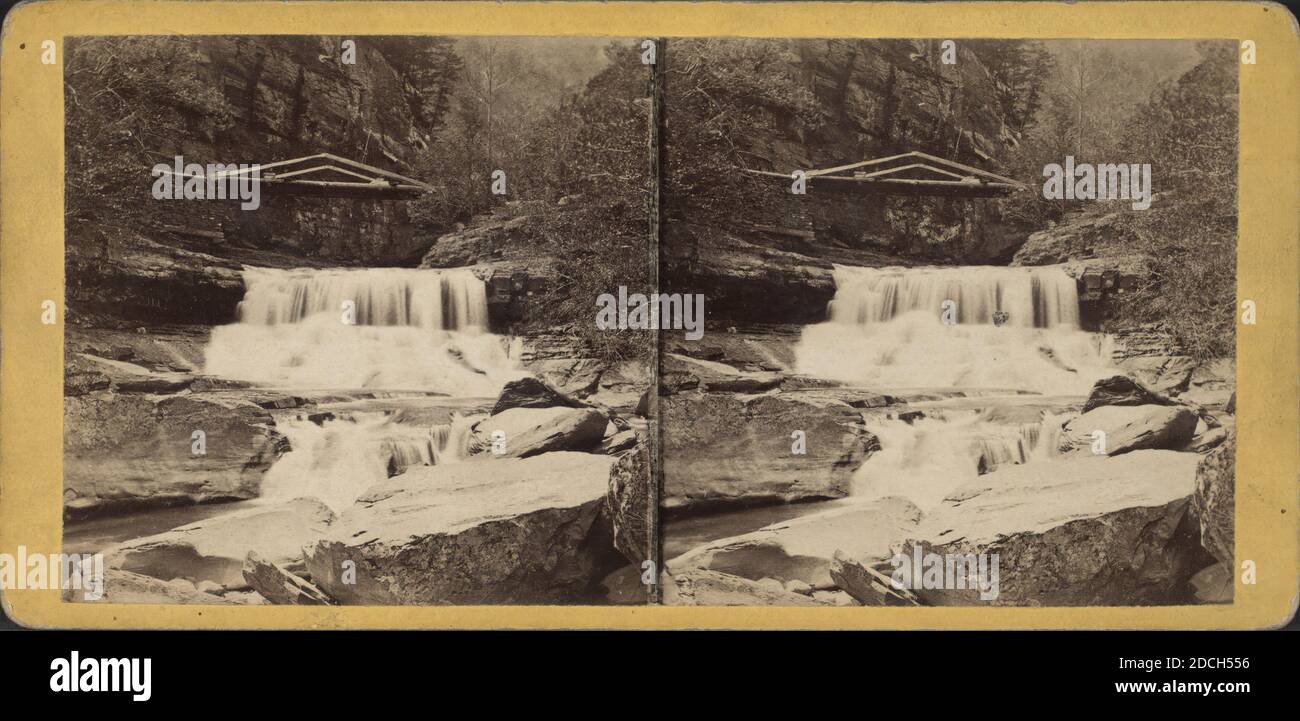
96,534
682,534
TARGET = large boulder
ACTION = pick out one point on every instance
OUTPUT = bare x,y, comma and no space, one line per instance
803,548
1122,391
517,530
533,431
628,502
530,392
1213,503
123,451
1131,428
722,450
214,549
1082,531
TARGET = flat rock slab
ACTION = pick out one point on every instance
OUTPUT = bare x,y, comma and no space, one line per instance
803,548
516,530
722,450
1084,530
215,549
688,373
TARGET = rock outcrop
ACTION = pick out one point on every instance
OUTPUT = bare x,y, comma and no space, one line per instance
215,549
529,392
868,586
872,99
711,588
131,450
1132,428
803,548
123,277
1122,391
1213,504
532,431
279,586
723,450
479,532
126,587
1096,531
1153,357
628,503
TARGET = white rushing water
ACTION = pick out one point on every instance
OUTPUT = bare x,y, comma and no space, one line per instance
338,459
926,459
381,328
887,329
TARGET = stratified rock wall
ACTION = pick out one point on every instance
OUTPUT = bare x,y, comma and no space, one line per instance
293,97
771,261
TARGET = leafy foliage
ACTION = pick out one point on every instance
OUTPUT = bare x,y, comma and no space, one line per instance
718,92
1188,130
595,151
125,99
577,165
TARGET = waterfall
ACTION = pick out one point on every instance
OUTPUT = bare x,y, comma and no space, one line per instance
887,329
337,459
376,328
1031,297
446,299
926,459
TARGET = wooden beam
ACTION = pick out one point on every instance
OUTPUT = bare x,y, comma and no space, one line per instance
901,168
305,171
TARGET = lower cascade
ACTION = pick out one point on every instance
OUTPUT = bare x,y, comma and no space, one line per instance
887,328
924,460
337,459
376,328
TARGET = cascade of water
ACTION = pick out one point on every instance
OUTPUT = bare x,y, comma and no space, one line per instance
1031,297
445,299
338,459
390,328
926,459
887,329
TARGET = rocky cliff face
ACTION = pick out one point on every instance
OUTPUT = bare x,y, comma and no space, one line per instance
291,98
161,261
880,99
873,99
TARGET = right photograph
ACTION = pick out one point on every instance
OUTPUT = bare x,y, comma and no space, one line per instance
970,310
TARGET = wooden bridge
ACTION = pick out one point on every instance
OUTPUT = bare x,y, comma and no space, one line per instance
328,175
913,173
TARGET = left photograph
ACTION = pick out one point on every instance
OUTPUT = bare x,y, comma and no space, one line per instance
330,332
